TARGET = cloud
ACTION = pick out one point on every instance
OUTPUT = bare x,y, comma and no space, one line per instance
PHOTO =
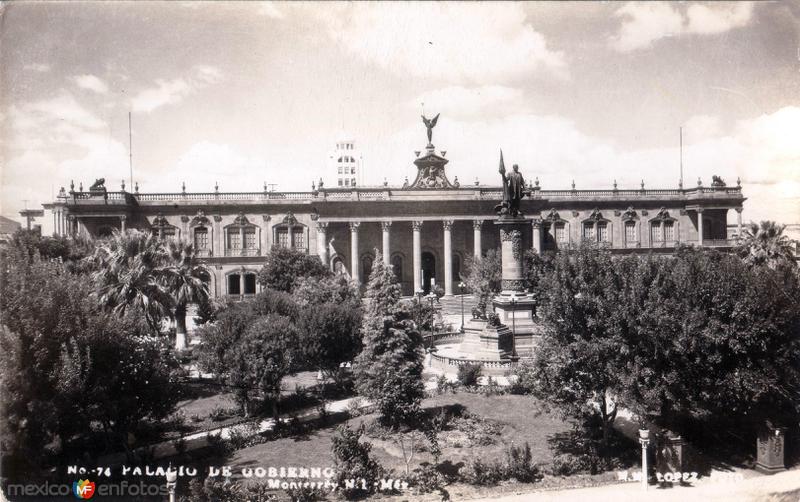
477,44
701,127
269,9
90,82
167,92
459,102
39,67
55,139
646,22
762,151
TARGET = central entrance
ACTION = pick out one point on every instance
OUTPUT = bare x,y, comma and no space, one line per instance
428,271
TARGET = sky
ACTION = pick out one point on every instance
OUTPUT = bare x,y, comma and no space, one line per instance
243,93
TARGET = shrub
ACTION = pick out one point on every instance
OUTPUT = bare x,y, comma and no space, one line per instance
520,465
354,407
468,374
426,479
478,472
523,377
444,385
492,388
352,461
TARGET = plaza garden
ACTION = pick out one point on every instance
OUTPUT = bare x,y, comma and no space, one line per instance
314,372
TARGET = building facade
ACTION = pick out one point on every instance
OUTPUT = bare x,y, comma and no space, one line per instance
425,230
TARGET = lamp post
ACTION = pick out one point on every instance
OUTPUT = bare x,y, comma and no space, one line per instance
461,287
513,327
172,482
644,439
432,298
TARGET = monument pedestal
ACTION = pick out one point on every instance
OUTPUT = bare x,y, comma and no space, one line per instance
485,342
518,314
770,445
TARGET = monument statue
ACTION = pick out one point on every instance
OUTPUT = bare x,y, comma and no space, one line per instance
513,190
430,124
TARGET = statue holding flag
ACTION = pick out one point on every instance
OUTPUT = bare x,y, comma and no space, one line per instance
513,191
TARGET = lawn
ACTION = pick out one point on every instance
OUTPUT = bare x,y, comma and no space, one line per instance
515,419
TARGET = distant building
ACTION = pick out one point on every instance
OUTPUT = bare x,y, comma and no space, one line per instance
7,228
346,163
424,229
792,231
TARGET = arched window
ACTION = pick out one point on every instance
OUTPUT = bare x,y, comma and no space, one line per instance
290,233
163,229
663,229
631,233
397,267
201,240
241,283
366,267
595,228
241,238
556,233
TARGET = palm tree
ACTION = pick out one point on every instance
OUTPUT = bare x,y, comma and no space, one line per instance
186,281
765,244
127,269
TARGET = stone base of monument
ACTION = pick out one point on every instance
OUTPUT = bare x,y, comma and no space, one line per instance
519,315
484,342
770,449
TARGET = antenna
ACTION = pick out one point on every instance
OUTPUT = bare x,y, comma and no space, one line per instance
130,148
681,143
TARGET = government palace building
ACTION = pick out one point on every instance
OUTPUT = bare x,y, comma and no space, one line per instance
425,229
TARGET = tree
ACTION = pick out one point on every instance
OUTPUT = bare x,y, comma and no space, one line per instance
579,358
186,281
765,244
536,267
73,377
266,352
331,334
484,276
316,290
127,270
284,266
389,368
713,337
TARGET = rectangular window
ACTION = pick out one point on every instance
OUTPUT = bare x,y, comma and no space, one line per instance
353,182
669,231
298,239
560,233
233,284
655,231
249,284
340,169
169,232
201,238
283,238
630,231
352,170
234,239
602,231
341,182
347,183
250,238
588,231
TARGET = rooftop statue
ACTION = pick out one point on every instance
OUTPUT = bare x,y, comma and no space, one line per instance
98,186
430,124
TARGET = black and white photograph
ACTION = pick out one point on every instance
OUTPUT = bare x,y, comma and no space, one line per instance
257,251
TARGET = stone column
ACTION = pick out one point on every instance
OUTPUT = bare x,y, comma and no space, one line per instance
739,223
417,244
476,232
448,258
511,250
386,226
122,221
700,226
322,241
537,235
354,251
73,226
289,236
